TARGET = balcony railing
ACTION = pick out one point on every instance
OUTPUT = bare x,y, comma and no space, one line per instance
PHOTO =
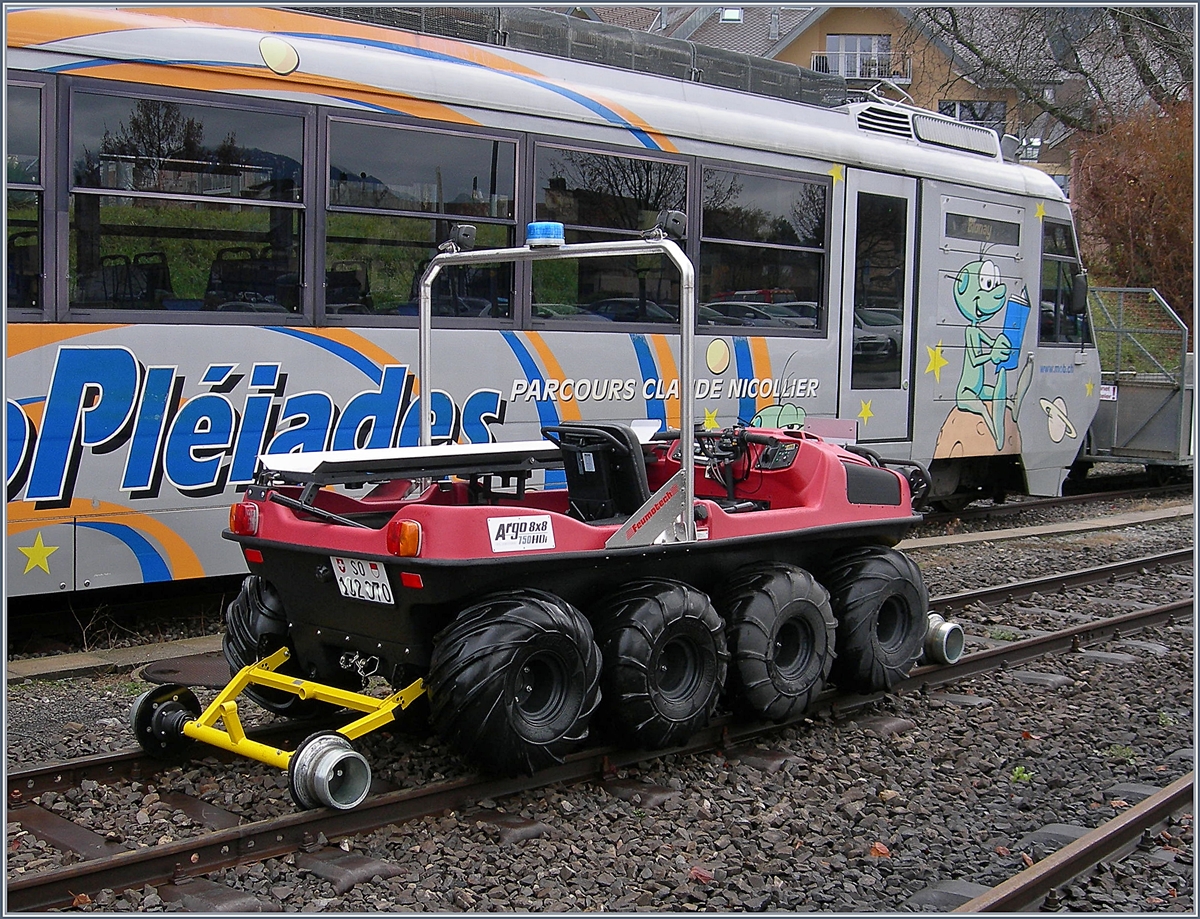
865,65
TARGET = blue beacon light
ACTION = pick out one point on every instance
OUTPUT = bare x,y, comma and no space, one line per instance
544,233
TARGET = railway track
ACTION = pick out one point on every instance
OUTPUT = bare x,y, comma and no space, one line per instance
975,512
1035,887
223,839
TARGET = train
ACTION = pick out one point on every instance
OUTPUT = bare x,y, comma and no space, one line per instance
218,218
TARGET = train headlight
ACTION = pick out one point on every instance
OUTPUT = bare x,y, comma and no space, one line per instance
403,538
243,519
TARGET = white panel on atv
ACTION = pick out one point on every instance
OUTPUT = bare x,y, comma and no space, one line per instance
645,428
521,534
657,521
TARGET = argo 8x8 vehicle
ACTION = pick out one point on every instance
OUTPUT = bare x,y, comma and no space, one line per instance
676,568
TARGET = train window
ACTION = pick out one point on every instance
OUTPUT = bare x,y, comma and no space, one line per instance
764,209
731,269
382,167
598,197
171,147
763,253
178,255
394,193
374,262
177,207
584,189
24,251
643,288
24,135
1059,266
879,291
24,198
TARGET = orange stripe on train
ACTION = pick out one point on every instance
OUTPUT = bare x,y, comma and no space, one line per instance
181,557
250,80
39,27
24,337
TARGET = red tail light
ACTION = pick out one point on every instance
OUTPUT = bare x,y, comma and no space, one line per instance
403,538
243,519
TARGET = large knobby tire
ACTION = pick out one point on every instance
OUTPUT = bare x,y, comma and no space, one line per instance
882,610
665,661
781,640
514,680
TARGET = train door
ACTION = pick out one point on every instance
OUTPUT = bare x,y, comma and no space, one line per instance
877,304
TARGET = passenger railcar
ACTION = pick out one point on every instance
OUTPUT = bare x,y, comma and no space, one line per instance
217,216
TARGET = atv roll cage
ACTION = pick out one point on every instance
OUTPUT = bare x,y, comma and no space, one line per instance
677,495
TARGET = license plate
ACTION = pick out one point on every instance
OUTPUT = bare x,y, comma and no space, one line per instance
360,579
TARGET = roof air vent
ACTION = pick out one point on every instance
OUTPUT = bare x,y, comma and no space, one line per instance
890,121
956,135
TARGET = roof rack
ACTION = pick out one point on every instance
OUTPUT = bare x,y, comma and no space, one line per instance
563,36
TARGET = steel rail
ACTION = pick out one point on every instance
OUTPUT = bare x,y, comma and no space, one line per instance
1028,889
186,858
1037,504
25,783
1072,638
1004,592
135,764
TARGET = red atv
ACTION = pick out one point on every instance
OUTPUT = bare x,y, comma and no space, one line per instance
674,568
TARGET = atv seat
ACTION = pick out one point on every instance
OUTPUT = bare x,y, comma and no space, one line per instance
605,469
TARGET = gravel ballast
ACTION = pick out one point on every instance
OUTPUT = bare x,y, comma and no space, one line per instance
868,814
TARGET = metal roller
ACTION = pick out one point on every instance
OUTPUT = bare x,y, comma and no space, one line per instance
326,770
944,641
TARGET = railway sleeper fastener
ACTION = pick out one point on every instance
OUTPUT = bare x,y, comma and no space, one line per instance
324,769
1052,904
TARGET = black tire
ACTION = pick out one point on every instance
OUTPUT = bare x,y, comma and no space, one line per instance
255,627
882,610
665,661
514,680
781,640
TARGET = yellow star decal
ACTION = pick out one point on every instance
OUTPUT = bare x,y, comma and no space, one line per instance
1090,387
1040,213
838,173
38,554
866,414
936,361
710,420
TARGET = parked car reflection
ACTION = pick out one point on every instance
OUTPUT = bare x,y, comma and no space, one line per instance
878,334
761,314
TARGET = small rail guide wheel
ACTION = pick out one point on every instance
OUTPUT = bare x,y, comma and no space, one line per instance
158,715
326,770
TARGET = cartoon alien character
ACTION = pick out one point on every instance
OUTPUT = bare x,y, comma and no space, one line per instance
979,294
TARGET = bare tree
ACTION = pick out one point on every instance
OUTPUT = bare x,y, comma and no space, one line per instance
1086,67
157,132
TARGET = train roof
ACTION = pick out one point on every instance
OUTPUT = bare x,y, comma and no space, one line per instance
288,55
